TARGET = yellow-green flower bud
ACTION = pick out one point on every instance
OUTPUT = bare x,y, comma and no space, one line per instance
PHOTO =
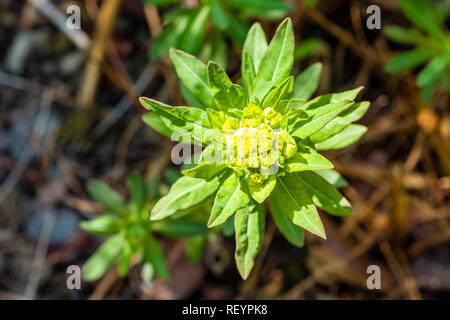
256,179
230,124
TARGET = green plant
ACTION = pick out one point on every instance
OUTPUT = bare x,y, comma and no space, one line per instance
187,27
431,41
271,107
131,232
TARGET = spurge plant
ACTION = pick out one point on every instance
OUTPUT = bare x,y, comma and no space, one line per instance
260,139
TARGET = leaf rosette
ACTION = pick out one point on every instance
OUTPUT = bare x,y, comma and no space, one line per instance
260,140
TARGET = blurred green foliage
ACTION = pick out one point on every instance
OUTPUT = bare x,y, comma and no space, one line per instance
204,29
432,45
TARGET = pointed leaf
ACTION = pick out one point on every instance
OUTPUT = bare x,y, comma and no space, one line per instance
346,137
194,34
408,60
255,45
402,35
420,12
279,56
205,170
103,259
292,233
262,191
103,225
230,197
184,193
307,82
279,98
178,228
318,118
125,258
432,71
320,101
305,159
333,177
138,189
109,198
291,195
155,121
155,256
325,195
194,75
249,226
354,113
218,15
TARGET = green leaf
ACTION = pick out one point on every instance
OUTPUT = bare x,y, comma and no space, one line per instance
138,189
262,191
195,248
193,120
218,15
193,36
427,92
255,45
293,196
279,57
153,184
279,98
184,193
186,114
249,226
333,177
216,118
318,118
189,97
205,171
215,49
170,36
125,258
408,60
432,71
248,72
440,12
329,98
228,227
346,137
307,159
218,79
155,256
103,259
307,82
420,12
292,233
194,75
230,197
402,35
237,28
103,225
109,198
307,48
155,121
226,94
325,195
178,228
354,113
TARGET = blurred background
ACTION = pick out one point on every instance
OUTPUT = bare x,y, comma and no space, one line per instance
69,113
